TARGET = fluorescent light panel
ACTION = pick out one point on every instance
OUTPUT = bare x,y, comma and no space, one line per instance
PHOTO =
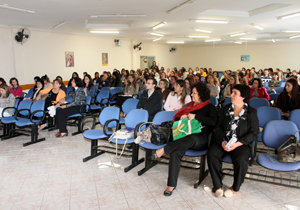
198,36
154,40
175,42
155,34
238,42
59,24
209,21
248,38
5,6
239,34
213,40
289,16
180,6
116,15
105,32
159,25
292,37
291,31
201,30
258,27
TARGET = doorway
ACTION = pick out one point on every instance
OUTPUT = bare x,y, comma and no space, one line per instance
146,61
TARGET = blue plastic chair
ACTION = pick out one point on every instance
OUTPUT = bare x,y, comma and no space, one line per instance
279,89
23,111
275,133
127,106
70,89
266,84
113,92
213,100
220,75
271,91
227,101
108,118
267,88
282,84
102,101
29,94
6,129
295,117
274,97
258,102
105,89
37,115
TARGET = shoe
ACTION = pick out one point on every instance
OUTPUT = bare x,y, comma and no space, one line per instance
229,193
58,134
219,193
154,156
62,135
168,193
42,126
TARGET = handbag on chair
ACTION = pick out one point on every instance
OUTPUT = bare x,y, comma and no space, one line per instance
185,127
289,151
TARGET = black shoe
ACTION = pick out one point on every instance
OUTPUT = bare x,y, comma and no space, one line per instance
168,193
153,156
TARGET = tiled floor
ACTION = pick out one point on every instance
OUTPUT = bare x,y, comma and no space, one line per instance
51,175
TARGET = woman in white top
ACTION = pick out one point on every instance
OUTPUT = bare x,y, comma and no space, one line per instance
162,75
213,85
177,99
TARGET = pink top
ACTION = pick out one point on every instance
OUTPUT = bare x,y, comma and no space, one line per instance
16,93
173,103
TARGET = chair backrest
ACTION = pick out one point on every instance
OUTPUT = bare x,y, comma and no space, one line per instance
105,89
213,100
38,105
271,91
29,94
276,132
163,116
227,101
135,117
69,100
295,117
25,104
129,104
220,75
266,84
88,100
16,103
116,90
102,94
274,96
266,114
258,102
279,89
282,84
108,113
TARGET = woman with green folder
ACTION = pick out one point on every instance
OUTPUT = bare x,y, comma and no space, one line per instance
201,110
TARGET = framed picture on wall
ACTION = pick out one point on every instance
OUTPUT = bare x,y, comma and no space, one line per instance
245,58
69,59
104,59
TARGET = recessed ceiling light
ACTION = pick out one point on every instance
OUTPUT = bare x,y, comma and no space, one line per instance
154,40
180,6
115,15
201,30
238,42
209,21
175,42
198,36
258,27
273,40
289,16
5,6
155,34
248,38
213,40
239,34
292,37
291,31
105,32
59,24
159,25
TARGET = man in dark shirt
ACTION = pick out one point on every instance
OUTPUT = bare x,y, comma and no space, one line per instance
150,100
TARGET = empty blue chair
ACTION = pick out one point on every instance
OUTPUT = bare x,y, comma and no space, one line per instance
270,91
282,84
6,127
29,94
23,111
295,117
127,106
101,101
274,97
105,89
258,102
113,92
227,101
279,89
108,118
213,100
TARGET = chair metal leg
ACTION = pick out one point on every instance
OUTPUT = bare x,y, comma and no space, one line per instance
148,163
135,158
94,151
5,131
10,132
203,172
34,136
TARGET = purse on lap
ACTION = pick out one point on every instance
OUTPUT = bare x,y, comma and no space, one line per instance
289,151
185,127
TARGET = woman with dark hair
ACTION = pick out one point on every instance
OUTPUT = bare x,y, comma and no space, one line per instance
131,88
260,73
205,73
257,90
248,72
236,130
74,74
178,98
63,87
216,74
201,110
289,99
173,80
189,82
164,91
47,82
233,80
197,78
2,81
242,80
96,79
78,99
88,87
7,99
15,89
39,86
213,85
116,81
274,83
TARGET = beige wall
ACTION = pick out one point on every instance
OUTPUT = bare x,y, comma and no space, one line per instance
220,58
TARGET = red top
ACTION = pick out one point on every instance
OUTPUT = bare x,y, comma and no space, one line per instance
16,93
262,93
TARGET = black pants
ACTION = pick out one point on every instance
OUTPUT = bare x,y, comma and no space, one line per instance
177,150
61,117
240,159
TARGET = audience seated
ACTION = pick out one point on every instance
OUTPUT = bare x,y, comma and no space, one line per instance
178,98
238,123
74,74
47,82
115,81
233,80
88,87
15,89
242,79
63,87
2,82
203,111
7,99
96,79
257,90
164,91
274,83
189,82
131,88
39,87
173,80
213,85
104,81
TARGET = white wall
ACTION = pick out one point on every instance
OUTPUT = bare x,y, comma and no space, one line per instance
220,58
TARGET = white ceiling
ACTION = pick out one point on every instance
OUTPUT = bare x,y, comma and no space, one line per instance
240,13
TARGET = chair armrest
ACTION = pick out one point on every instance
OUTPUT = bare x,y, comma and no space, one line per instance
33,113
102,104
84,105
20,110
82,121
106,124
136,129
6,109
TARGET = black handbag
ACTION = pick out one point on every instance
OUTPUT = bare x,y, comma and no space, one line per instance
289,151
161,134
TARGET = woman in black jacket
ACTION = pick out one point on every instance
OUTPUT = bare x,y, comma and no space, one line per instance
237,128
203,111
